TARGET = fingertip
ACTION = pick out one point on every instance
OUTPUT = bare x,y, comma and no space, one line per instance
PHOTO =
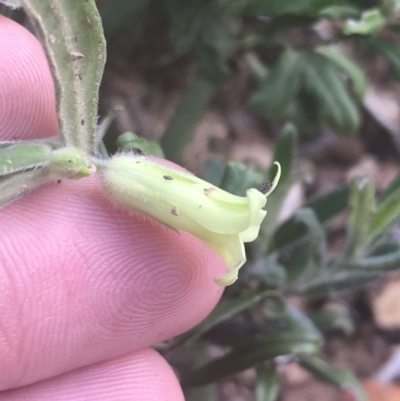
142,375
27,97
100,282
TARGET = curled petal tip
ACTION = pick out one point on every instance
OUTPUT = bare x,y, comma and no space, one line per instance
276,179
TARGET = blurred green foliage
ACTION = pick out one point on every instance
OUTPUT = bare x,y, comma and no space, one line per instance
303,73
299,53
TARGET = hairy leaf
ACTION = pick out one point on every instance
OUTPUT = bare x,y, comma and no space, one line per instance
20,156
13,186
72,36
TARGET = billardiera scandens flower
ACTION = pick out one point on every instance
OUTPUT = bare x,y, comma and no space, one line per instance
182,201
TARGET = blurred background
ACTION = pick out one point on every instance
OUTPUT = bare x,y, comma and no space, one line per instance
226,87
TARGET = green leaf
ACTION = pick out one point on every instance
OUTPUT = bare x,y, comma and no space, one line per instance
332,282
298,321
371,21
267,385
190,357
203,393
19,156
274,95
393,186
324,83
355,73
340,12
255,351
280,7
188,114
72,36
385,257
362,208
227,309
238,178
340,378
267,270
328,205
303,224
298,262
302,257
13,186
324,206
386,212
213,171
328,319
131,141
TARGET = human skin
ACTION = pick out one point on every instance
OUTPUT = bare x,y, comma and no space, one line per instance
86,288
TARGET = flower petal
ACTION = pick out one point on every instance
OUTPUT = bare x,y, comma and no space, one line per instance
231,249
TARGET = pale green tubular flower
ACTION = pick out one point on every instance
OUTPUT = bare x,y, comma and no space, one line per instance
182,201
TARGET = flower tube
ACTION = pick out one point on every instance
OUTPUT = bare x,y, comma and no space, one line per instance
182,201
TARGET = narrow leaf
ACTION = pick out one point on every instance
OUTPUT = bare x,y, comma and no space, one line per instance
393,186
386,213
362,207
355,73
267,386
15,185
227,309
325,84
274,95
340,281
72,36
20,156
383,262
340,378
257,350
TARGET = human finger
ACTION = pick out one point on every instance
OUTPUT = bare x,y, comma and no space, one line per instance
27,98
142,375
84,282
